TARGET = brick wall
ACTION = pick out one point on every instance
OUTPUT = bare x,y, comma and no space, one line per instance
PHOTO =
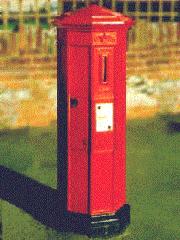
156,63
28,84
28,92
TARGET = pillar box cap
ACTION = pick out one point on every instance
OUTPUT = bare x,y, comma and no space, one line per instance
93,15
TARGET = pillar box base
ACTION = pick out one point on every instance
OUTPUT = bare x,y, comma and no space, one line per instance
98,226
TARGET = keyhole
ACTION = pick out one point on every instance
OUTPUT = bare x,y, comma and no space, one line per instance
73,102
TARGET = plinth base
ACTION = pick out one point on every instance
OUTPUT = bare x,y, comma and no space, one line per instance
100,225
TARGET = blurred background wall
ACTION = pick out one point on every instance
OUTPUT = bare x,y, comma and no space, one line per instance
28,58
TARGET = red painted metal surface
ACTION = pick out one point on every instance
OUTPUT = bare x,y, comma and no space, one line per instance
78,129
94,40
92,15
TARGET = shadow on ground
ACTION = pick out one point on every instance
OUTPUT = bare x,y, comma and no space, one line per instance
40,201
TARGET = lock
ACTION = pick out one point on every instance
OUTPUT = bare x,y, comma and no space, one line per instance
73,102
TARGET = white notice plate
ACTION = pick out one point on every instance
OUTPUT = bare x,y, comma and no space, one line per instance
104,117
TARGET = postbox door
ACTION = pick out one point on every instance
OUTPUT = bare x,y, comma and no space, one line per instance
78,129
103,130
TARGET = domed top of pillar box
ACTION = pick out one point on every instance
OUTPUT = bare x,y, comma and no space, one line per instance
93,15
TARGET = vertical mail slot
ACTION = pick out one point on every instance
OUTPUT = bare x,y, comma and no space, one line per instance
91,120
104,69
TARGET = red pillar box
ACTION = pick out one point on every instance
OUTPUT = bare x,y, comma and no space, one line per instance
91,120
